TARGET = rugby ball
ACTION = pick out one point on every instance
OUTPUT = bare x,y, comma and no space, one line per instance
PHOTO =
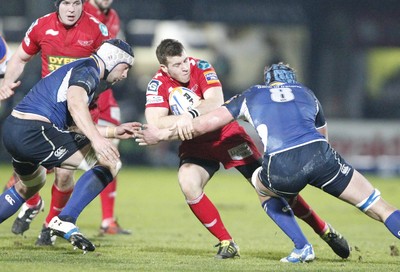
182,99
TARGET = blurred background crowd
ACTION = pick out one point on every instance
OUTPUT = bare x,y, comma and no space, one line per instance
346,51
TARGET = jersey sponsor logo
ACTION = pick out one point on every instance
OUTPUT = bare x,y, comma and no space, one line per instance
211,77
103,29
154,99
240,152
52,32
152,87
9,199
55,62
203,65
60,152
85,43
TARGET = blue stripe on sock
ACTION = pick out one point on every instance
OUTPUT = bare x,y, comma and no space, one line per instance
393,223
69,233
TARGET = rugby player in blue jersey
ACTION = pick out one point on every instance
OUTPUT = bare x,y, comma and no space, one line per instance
290,122
52,127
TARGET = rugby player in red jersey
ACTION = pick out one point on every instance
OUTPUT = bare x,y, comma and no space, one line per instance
201,156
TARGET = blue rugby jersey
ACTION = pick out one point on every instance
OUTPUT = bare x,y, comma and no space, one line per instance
285,116
48,97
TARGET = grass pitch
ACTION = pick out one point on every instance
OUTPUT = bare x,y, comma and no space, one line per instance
167,237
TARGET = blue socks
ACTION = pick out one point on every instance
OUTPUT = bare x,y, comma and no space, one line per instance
280,212
393,223
10,202
88,186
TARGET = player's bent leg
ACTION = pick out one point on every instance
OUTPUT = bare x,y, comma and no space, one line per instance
12,199
60,194
333,238
278,209
192,179
30,211
361,194
88,186
364,196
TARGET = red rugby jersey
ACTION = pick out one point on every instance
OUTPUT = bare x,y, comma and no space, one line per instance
59,44
202,77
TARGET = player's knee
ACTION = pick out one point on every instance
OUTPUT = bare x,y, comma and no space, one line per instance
37,178
64,178
367,203
116,167
255,181
113,167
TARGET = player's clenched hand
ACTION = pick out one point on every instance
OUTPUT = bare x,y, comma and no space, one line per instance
127,130
7,90
184,126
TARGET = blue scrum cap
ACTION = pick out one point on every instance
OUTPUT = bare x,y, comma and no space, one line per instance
279,73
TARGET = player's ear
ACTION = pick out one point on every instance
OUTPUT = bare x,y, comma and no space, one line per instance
164,68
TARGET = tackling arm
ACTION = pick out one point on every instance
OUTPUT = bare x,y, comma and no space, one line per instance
214,120
78,107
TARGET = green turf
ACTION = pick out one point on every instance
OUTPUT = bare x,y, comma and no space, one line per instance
167,237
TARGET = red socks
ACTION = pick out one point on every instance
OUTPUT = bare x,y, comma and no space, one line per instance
107,197
208,215
58,201
33,201
303,211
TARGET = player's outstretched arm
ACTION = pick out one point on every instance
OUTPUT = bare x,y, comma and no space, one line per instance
214,120
123,131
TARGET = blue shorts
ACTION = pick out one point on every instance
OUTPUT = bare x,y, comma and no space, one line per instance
32,143
317,164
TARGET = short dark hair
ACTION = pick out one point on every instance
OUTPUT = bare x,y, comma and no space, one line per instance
168,48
